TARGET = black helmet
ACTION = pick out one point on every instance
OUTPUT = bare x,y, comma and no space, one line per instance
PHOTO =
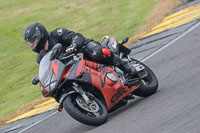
36,36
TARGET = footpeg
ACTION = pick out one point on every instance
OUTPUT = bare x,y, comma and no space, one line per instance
130,97
132,82
140,70
139,67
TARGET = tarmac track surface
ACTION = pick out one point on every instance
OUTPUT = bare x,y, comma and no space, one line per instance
175,108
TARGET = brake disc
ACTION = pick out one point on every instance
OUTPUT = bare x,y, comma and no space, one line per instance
92,106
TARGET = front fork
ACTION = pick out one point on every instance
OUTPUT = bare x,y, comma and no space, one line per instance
76,89
80,90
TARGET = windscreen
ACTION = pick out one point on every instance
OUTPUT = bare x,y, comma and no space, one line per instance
44,68
50,72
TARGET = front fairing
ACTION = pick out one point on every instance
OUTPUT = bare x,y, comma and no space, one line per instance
50,73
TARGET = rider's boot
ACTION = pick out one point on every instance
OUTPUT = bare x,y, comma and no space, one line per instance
125,66
129,71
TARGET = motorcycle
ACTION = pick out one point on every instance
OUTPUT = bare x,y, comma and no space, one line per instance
88,90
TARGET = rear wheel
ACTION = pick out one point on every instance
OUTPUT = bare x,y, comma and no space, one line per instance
93,113
150,83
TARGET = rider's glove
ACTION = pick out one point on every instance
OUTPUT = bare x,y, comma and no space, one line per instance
57,49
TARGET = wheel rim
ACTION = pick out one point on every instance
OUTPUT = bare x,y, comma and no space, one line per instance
92,106
97,112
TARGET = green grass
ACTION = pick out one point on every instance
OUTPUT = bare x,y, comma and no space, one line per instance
92,18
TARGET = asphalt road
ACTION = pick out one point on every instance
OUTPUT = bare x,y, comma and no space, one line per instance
175,108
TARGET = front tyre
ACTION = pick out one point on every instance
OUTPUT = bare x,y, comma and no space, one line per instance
150,83
93,114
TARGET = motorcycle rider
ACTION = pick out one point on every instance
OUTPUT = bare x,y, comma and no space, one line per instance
41,41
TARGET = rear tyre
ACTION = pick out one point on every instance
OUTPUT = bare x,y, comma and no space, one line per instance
150,83
94,116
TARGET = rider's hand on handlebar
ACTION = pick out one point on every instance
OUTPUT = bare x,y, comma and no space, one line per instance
57,49
55,54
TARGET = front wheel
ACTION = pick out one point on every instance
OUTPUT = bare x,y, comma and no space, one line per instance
93,113
150,83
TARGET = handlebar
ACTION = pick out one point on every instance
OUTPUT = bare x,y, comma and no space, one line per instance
70,51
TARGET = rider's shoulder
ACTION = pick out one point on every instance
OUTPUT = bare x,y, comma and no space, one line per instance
59,32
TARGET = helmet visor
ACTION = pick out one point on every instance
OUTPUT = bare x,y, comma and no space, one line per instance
33,43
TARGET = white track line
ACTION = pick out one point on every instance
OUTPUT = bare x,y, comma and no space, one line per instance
38,122
171,42
146,58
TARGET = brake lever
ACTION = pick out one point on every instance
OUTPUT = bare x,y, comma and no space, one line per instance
66,55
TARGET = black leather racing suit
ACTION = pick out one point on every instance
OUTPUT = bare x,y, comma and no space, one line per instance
91,49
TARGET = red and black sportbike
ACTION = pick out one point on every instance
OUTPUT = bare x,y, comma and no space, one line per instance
87,90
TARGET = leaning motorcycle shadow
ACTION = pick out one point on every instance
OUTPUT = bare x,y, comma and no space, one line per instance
123,110
131,105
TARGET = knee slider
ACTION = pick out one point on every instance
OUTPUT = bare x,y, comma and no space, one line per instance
106,52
